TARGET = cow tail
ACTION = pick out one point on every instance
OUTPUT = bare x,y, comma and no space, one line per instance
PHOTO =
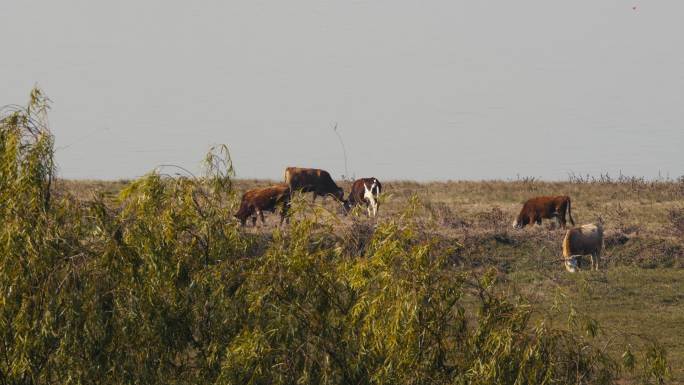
378,188
572,221
288,179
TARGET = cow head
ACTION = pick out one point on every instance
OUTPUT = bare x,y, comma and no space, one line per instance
572,264
241,218
339,195
520,222
346,206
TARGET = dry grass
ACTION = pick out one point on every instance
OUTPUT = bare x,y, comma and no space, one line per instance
638,292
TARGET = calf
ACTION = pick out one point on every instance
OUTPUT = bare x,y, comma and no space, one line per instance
364,191
313,180
580,241
256,201
536,209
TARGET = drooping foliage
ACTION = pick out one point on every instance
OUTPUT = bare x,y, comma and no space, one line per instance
160,286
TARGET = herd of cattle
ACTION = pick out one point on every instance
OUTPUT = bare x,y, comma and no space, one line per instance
578,242
364,191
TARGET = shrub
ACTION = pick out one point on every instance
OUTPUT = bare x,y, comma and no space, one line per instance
160,286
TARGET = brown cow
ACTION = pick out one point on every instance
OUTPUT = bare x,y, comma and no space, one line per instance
580,241
313,180
256,201
364,191
536,209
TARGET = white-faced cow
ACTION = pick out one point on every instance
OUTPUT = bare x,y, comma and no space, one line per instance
547,207
581,241
364,191
319,182
256,201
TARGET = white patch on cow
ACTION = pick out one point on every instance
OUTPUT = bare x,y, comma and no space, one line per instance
370,197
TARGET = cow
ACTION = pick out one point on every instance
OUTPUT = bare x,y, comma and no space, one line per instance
255,202
546,207
364,191
581,241
313,180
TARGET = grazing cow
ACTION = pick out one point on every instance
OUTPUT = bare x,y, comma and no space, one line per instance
544,207
364,191
581,241
256,201
313,180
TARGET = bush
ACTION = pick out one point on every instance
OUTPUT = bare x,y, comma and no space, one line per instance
160,287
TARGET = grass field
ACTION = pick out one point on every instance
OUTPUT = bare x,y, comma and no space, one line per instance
638,294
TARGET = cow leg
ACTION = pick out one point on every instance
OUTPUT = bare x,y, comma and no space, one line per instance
597,257
254,219
537,220
261,215
374,207
314,196
284,214
370,200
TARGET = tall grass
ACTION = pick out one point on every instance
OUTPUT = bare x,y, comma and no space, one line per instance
159,286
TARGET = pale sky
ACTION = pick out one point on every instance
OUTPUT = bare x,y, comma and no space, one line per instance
426,90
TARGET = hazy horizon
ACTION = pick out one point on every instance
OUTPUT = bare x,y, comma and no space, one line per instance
445,90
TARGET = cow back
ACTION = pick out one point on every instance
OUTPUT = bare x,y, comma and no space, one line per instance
310,179
264,198
545,205
582,240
